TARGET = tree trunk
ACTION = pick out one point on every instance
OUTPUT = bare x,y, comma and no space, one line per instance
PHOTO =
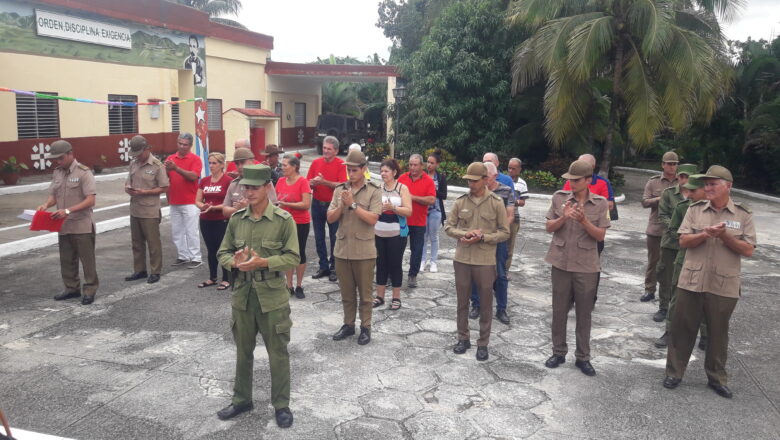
614,107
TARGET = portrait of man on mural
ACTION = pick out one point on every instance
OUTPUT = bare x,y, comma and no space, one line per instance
195,63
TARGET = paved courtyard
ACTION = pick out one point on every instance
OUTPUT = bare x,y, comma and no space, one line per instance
156,361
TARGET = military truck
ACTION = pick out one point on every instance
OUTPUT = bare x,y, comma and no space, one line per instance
347,129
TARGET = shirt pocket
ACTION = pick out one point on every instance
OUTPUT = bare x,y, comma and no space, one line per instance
464,218
558,241
586,245
364,235
727,278
272,247
692,272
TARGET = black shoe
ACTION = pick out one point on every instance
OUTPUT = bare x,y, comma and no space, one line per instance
291,290
554,361
703,343
284,418
66,295
671,382
343,332
660,315
153,278
662,341
365,335
332,277
482,353
502,317
461,346
474,313
299,293
586,368
320,274
231,410
411,282
722,390
136,276
648,296
87,300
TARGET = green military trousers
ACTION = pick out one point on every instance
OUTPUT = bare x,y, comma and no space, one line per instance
664,274
274,327
673,303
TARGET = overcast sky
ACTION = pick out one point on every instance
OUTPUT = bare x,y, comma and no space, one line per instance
306,29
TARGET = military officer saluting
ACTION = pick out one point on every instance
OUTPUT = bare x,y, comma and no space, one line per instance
717,233
146,180
72,190
261,242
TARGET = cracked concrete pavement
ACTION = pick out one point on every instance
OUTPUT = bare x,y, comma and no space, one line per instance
156,361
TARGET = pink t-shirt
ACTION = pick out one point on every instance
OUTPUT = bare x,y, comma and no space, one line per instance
214,194
293,194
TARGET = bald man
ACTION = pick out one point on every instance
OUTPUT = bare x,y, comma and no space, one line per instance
232,171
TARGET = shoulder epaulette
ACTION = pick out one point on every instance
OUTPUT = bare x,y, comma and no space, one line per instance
372,183
743,207
562,191
599,197
699,202
462,195
282,213
671,188
83,167
657,176
156,161
496,196
239,211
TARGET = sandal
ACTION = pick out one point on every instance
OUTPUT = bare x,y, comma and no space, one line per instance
208,283
223,286
395,304
379,301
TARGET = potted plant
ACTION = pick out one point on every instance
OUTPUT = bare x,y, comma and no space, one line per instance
98,167
11,169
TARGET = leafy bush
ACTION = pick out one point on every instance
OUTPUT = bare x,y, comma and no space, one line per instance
454,172
376,152
556,166
616,179
542,179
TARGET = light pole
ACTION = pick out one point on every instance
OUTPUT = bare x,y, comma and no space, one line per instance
399,94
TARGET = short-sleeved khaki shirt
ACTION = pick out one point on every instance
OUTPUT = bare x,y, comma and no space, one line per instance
572,249
149,174
651,198
69,187
235,193
355,238
712,267
486,213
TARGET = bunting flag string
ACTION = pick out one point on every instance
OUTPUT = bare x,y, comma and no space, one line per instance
95,101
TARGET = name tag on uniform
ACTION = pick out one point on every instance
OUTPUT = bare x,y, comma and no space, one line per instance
731,224
73,179
150,172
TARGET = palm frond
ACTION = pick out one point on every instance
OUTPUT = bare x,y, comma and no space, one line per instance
553,37
228,22
728,10
534,13
644,110
649,21
526,69
588,44
565,104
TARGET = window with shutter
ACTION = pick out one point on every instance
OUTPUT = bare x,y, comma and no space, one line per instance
37,118
253,104
175,127
278,108
215,114
122,118
300,114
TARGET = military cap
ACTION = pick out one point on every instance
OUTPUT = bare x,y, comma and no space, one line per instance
695,181
579,169
59,148
718,172
475,171
256,175
137,145
688,169
242,153
271,149
670,156
355,159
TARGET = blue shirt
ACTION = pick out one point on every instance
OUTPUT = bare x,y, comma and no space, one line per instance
506,180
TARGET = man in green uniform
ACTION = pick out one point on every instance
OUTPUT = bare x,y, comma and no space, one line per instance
693,191
670,197
261,242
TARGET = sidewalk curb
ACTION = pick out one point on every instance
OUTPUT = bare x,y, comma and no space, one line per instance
19,189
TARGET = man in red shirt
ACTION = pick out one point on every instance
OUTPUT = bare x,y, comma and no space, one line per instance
423,192
184,169
325,174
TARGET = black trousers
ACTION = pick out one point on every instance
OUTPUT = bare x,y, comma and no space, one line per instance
303,234
389,256
213,231
416,242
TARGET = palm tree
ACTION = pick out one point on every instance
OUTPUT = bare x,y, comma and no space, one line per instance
666,60
216,9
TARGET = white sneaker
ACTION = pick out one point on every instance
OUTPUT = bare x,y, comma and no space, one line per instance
434,267
426,264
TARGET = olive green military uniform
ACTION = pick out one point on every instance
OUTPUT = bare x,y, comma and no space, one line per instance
260,299
576,265
655,228
355,251
670,197
708,288
69,187
475,263
145,213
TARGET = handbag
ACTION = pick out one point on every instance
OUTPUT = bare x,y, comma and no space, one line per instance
404,226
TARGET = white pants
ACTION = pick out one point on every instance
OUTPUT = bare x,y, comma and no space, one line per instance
185,230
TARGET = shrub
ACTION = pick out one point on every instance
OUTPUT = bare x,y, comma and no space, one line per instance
542,179
454,172
376,152
555,166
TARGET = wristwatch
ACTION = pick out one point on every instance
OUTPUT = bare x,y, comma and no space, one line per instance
67,211
353,206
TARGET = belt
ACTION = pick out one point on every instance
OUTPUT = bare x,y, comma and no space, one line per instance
258,275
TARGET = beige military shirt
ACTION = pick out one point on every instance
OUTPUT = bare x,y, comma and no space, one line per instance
355,238
713,267
235,193
486,213
572,249
69,187
149,174
650,199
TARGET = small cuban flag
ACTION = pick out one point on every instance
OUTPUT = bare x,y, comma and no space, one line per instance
202,135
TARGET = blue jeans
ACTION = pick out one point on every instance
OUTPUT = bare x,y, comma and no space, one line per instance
319,218
432,235
416,241
501,284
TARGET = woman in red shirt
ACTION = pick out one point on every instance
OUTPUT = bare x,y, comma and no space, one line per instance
294,196
211,193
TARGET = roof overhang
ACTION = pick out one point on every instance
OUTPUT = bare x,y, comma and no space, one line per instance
332,72
255,113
